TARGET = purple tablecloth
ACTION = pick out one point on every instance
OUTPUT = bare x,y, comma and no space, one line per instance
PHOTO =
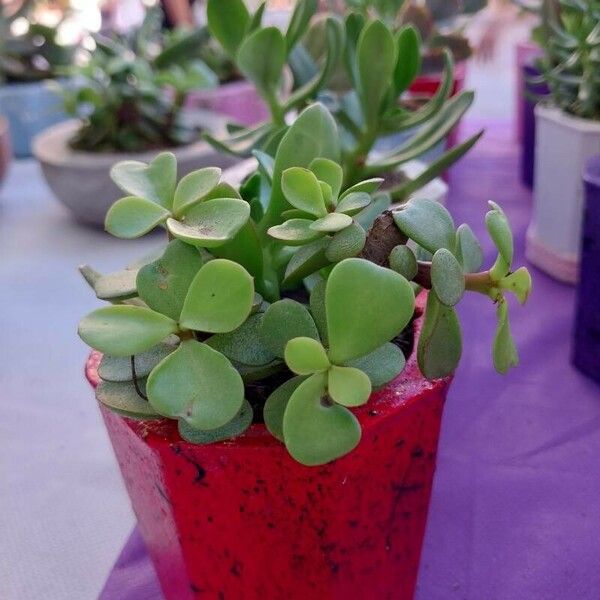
515,512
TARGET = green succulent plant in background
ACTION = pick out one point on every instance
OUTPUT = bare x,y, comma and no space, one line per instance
33,55
380,64
283,302
130,93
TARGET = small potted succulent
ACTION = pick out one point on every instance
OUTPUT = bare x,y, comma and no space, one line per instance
129,98
568,134
380,65
30,58
273,380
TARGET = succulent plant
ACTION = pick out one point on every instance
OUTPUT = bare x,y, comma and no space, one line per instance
34,54
380,65
130,93
283,302
570,65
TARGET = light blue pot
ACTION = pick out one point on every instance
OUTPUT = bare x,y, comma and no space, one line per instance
29,108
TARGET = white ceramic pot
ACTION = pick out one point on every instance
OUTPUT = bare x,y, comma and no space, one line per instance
564,143
81,180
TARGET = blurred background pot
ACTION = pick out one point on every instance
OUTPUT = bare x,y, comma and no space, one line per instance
586,350
242,519
81,180
5,149
564,143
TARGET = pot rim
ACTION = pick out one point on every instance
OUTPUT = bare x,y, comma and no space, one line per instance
406,389
549,111
591,173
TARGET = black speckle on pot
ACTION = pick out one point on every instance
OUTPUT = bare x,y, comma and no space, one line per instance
417,452
353,523
236,569
399,443
195,589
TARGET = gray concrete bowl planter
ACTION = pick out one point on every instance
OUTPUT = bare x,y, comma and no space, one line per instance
5,150
81,181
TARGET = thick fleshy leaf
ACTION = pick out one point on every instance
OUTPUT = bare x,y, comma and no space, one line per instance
440,344
244,345
90,275
261,57
163,284
277,403
499,230
119,368
125,330
329,172
219,298
408,63
211,223
348,386
123,398
519,283
428,223
504,351
346,243
447,278
244,248
302,190
369,186
332,223
197,384
366,305
381,365
295,232
306,260
228,22
116,286
317,432
154,181
403,260
132,217
231,430
283,321
317,308
353,203
305,356
468,249
194,187
301,16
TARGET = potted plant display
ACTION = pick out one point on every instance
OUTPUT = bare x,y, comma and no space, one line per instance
273,380
567,126
5,149
30,57
380,64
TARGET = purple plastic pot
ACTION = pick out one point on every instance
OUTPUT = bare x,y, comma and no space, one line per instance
586,353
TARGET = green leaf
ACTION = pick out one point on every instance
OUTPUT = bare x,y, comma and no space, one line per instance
219,298
353,203
332,223
499,230
228,21
348,386
468,250
317,308
408,61
283,321
123,398
318,432
244,248
330,172
447,277
307,260
261,57
376,59
301,16
440,344
302,190
90,275
211,223
163,284
197,384
238,425
154,181
366,306
295,232
244,345
118,368
194,187
132,217
277,403
428,223
304,356
504,351
382,365
116,286
346,243
403,260
124,330
368,186
519,283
